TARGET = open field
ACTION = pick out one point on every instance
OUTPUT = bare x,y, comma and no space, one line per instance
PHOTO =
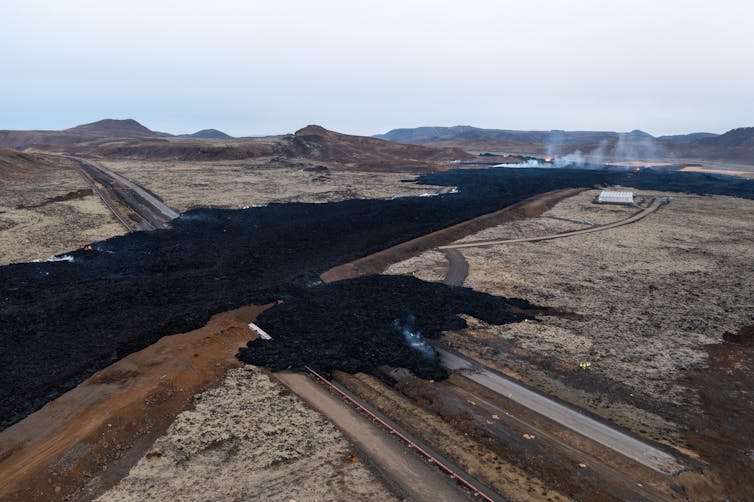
236,184
249,439
55,211
50,212
652,295
653,298
212,260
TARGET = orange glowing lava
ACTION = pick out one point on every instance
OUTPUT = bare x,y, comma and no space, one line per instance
548,159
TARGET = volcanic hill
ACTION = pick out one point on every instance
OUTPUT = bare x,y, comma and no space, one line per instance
312,144
112,128
207,134
735,145
315,142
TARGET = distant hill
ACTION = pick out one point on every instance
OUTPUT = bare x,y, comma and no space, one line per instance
686,138
112,128
736,145
312,143
735,138
317,143
421,135
107,129
67,138
207,134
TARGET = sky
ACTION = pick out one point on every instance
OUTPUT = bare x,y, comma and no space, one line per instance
252,67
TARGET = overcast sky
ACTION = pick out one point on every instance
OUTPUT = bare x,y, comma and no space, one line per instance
265,67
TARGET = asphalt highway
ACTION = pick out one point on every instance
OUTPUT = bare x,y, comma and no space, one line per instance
600,432
122,196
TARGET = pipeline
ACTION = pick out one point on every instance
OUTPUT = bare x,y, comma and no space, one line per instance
408,440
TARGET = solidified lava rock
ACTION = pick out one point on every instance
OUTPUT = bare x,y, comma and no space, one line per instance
60,322
745,336
359,324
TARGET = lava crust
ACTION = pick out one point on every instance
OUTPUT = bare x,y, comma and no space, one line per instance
360,324
62,321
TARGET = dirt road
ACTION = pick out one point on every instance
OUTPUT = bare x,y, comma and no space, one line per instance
458,267
376,263
614,439
415,477
113,417
653,206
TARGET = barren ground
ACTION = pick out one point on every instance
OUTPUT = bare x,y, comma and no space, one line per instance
249,439
235,184
50,213
69,216
652,295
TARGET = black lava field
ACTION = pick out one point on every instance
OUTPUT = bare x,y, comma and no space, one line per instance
359,324
61,321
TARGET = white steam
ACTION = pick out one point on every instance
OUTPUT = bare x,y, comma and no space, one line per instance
414,338
527,163
625,147
65,257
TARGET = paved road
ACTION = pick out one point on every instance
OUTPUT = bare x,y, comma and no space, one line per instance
120,192
602,433
656,203
599,475
167,213
458,267
417,478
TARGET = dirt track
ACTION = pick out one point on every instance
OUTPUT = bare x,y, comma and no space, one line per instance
416,478
378,262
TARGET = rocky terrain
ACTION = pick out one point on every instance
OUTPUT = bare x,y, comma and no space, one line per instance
46,208
215,260
535,312
655,300
244,183
127,139
249,438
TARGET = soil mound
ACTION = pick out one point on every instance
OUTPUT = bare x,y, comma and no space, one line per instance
17,166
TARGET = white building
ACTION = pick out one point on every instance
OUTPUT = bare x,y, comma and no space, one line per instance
613,197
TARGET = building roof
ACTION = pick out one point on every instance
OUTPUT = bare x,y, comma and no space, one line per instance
615,196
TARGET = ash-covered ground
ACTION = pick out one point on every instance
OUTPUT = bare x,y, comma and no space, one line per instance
61,321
